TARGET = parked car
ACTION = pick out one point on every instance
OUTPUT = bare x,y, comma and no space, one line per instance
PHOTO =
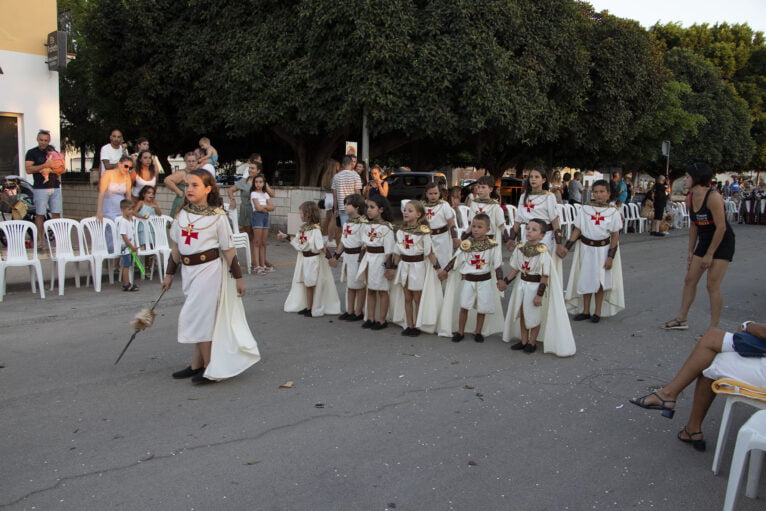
411,185
509,191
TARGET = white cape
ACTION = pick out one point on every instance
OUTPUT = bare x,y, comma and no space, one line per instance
234,348
430,302
614,299
450,314
555,329
326,299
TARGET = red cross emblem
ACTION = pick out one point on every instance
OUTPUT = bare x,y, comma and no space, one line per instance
302,238
430,213
189,234
597,218
372,234
478,262
480,210
529,205
525,267
407,242
347,231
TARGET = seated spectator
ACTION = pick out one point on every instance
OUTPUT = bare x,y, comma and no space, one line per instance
718,354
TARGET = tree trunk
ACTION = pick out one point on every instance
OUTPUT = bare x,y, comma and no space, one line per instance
311,152
83,153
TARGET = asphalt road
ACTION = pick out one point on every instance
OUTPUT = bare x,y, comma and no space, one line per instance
374,421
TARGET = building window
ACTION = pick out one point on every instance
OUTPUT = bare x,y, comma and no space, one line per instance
9,145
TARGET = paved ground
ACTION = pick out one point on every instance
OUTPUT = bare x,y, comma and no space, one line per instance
375,421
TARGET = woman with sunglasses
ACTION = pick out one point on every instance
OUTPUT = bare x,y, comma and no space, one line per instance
114,186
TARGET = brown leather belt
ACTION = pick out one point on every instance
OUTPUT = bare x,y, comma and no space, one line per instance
357,250
308,253
531,278
413,258
200,257
375,250
440,230
594,243
477,277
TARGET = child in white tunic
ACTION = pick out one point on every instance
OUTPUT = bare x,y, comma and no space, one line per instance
377,265
483,204
416,296
441,220
538,202
351,250
472,293
596,268
313,292
536,310
212,316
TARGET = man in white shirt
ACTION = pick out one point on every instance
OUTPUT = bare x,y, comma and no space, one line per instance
345,182
112,152
575,189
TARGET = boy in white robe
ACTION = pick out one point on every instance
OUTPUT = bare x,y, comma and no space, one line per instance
483,204
351,245
441,219
596,268
472,294
536,310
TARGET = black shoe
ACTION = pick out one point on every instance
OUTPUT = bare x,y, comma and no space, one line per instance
478,337
303,312
307,314
201,380
414,332
188,372
699,444
367,324
530,348
358,317
407,331
581,317
379,326
595,318
345,316
667,411
518,346
457,337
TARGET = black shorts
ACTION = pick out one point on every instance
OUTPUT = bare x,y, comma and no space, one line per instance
724,251
659,211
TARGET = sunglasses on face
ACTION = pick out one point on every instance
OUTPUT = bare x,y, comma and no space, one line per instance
126,166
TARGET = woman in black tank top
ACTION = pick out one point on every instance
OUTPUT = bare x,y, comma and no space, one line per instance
711,245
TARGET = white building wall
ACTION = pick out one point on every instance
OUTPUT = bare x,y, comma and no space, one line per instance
31,92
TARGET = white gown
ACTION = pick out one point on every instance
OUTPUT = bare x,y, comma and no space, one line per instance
417,276
352,238
555,330
588,273
313,272
439,216
372,269
495,213
542,206
212,316
473,262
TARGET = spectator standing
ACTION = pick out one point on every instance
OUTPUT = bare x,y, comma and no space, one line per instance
628,180
146,172
377,185
565,187
619,189
111,153
114,187
556,186
345,182
576,189
47,190
176,182
659,200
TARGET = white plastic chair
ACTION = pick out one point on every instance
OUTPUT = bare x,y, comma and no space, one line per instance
635,214
159,225
731,210
240,239
64,251
685,222
464,211
565,222
145,227
750,439
15,232
734,392
98,247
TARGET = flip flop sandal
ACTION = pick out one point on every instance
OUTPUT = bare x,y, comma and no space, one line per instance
675,324
130,288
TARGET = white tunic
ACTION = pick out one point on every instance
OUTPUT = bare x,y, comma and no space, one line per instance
372,266
352,238
439,216
495,213
588,273
542,206
212,310
412,274
309,241
555,330
313,271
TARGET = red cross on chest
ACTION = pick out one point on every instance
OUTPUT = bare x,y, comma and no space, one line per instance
480,210
529,205
597,218
478,262
372,234
525,266
189,234
302,238
407,242
430,213
347,231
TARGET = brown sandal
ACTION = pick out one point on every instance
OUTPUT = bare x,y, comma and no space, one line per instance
675,324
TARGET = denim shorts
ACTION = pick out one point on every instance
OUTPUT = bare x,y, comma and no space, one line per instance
260,220
126,261
47,200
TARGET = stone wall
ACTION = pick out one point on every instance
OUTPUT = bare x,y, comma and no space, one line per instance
80,201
